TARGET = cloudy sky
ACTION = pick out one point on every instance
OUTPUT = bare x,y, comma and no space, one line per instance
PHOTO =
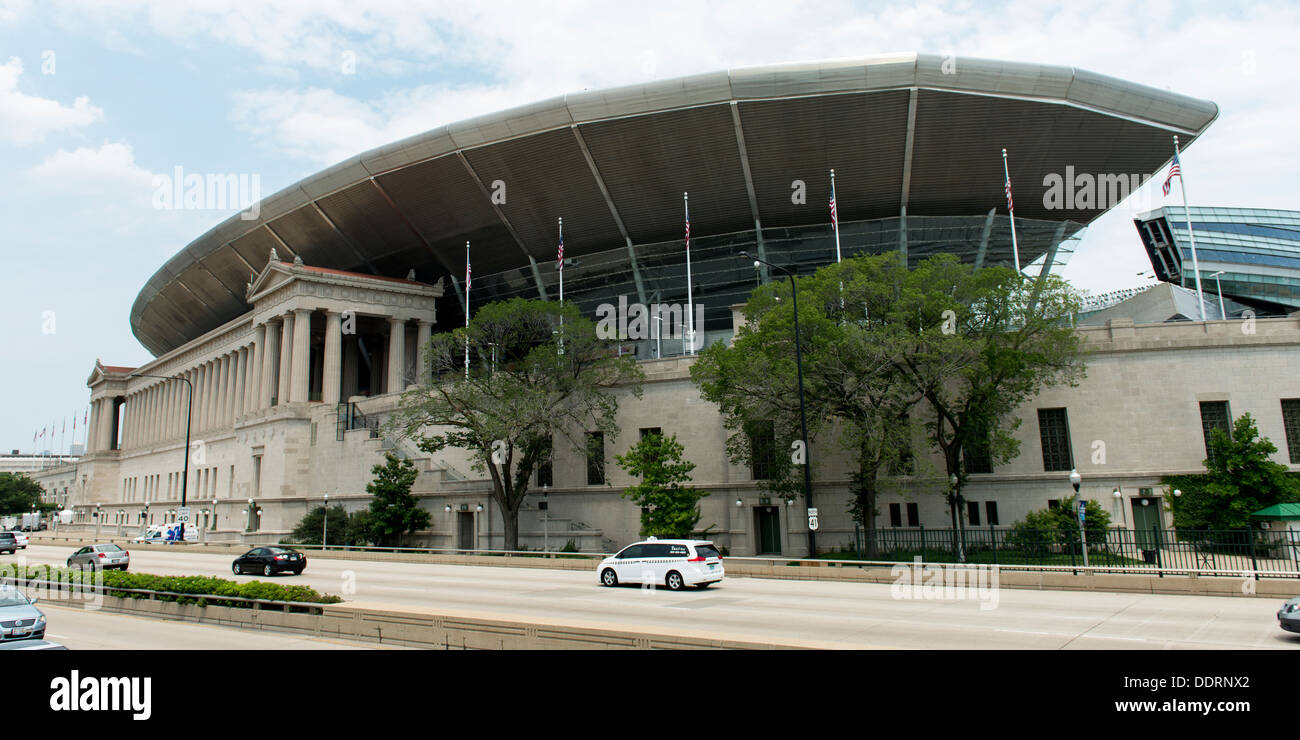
96,98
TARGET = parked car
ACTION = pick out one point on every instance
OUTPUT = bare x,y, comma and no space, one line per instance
104,556
8,543
22,538
672,563
1288,617
269,560
19,617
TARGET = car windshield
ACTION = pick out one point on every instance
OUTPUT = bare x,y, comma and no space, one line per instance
109,548
278,550
11,597
707,551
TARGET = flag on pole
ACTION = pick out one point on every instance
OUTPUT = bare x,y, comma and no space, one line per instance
559,253
1010,205
690,301
835,220
1174,171
1011,211
42,432
467,283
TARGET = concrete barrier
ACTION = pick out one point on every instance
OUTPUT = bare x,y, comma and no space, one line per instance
440,629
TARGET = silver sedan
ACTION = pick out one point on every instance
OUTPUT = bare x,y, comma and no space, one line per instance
101,556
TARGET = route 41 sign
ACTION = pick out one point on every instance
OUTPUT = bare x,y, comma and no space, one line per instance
812,519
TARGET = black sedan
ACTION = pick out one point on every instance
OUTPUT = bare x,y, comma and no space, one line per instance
269,560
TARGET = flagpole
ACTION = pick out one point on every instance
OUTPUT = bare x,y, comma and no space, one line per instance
1011,212
835,220
1196,265
560,265
690,300
467,284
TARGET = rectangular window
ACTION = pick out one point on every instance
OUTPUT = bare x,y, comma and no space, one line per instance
973,513
595,458
545,468
1214,415
1053,503
976,454
1291,422
905,463
913,516
1054,431
991,513
647,431
762,445
895,515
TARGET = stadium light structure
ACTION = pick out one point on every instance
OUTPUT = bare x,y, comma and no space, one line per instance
803,414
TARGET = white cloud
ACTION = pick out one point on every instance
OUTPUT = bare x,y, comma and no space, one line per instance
26,119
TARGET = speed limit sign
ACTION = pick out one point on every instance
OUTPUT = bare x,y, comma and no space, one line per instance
812,519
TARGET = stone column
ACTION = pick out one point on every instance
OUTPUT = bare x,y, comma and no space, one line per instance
286,358
223,392
241,383
396,348
228,389
270,358
422,339
105,430
92,428
210,395
200,396
332,367
300,386
155,412
253,389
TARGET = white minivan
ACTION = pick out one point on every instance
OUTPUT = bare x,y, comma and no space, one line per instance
673,563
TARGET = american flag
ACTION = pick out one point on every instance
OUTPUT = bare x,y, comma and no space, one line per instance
1010,206
688,231
833,217
467,270
559,253
1174,169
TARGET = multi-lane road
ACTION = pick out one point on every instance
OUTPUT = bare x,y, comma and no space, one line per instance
848,614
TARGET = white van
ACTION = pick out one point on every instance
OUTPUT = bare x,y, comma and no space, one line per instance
673,563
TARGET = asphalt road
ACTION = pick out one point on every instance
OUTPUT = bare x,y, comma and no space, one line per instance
849,614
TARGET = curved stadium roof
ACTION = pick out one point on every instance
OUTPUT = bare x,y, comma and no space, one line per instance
614,163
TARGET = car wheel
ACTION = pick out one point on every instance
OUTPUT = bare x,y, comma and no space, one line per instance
235,569
674,581
266,570
609,577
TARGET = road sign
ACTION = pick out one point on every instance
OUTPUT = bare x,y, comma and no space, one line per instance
1083,510
183,514
812,519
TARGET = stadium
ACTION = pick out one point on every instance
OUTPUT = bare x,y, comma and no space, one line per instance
286,405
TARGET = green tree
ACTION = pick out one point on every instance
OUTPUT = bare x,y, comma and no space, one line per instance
977,345
344,528
18,494
668,508
519,394
393,510
1060,525
1241,479
852,384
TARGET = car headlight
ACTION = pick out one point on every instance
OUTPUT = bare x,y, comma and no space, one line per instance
40,619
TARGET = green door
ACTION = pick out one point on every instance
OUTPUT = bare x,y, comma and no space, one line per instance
1147,521
768,519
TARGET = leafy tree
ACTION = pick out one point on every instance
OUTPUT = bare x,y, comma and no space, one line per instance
519,394
977,344
1060,525
1241,479
669,509
344,528
851,382
393,510
18,494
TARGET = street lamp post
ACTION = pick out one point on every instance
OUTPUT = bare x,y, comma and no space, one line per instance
189,415
325,529
958,521
1075,479
99,519
1218,288
803,414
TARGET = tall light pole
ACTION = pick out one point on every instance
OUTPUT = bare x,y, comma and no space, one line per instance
189,415
1075,480
803,414
1218,288
325,535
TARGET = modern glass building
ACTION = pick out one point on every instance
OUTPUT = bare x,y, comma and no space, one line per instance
1257,250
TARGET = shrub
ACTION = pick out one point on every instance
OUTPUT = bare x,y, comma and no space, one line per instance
199,586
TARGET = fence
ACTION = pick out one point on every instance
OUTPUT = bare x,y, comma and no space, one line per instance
1261,552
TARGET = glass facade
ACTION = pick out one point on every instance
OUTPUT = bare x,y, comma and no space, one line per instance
1257,249
720,279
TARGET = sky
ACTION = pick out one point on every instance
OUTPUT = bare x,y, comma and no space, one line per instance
98,99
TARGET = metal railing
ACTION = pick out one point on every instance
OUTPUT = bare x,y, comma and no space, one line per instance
1260,552
350,417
